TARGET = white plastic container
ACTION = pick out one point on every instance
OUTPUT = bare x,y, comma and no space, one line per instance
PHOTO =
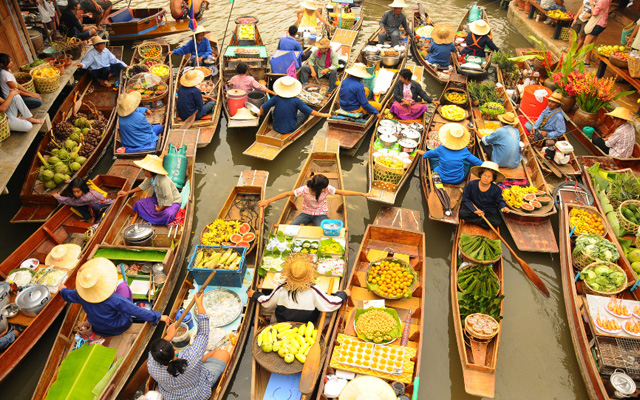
564,146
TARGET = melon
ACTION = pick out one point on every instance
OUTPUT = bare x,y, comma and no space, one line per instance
529,197
535,203
243,244
526,207
228,244
540,193
544,200
244,228
235,238
248,237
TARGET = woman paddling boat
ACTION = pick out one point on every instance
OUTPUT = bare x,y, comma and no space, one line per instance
483,197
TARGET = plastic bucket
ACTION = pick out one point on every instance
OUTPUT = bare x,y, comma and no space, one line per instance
530,105
588,131
257,98
237,98
474,14
626,30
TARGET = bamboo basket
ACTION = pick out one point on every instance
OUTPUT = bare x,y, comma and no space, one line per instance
582,261
386,174
29,85
588,289
151,61
146,46
626,224
634,66
5,132
46,85
478,335
165,77
463,104
402,262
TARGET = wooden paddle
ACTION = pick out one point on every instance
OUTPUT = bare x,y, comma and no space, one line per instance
142,373
187,124
435,207
528,271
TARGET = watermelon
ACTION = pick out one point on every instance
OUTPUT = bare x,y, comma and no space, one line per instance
544,200
526,207
248,237
244,228
228,244
540,193
243,244
535,203
529,197
235,238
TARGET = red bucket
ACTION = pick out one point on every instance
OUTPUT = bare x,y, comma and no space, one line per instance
530,105
237,98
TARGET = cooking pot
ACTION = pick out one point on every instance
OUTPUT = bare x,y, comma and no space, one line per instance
33,299
411,134
386,130
388,140
257,98
388,123
140,234
3,323
373,61
416,126
390,61
622,384
183,339
408,145
5,294
371,51
10,310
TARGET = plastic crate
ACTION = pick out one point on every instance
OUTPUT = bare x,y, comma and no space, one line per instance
223,277
564,33
331,231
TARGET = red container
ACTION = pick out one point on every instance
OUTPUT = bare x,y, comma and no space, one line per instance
237,98
530,105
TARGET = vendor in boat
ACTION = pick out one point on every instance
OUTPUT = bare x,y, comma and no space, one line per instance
8,82
137,134
108,312
620,143
289,112
190,98
309,16
99,10
162,207
180,9
477,39
243,81
90,203
10,335
192,372
441,46
322,63
289,43
70,18
202,45
409,97
452,159
550,124
503,145
299,299
483,197
101,63
353,94
18,114
314,199
391,22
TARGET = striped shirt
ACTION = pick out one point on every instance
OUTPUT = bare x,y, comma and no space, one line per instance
310,205
621,142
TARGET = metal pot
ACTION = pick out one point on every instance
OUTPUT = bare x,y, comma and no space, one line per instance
389,123
373,61
138,234
157,268
416,126
182,340
390,61
33,299
622,384
257,98
5,293
408,145
3,323
388,140
10,310
411,134
371,51
386,130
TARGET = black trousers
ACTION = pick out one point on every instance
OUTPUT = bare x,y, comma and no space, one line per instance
103,73
598,141
469,216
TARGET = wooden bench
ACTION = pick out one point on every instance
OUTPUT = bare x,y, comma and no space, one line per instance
558,23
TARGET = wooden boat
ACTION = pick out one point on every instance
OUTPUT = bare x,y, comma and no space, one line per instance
530,231
457,83
64,226
238,51
349,131
386,192
209,124
398,229
269,143
479,359
37,201
142,23
422,18
333,16
473,73
132,343
323,159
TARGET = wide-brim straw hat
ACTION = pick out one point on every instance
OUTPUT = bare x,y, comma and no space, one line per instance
454,136
477,170
201,29
508,118
443,33
287,87
299,272
323,43
243,113
359,70
63,256
97,40
397,4
622,113
309,5
191,78
152,163
97,280
556,97
480,27
367,388
128,102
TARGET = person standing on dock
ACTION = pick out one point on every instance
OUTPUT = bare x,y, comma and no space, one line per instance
503,145
322,63
190,98
99,9
550,124
391,22
620,143
203,45
596,25
101,63
8,82
478,38
353,94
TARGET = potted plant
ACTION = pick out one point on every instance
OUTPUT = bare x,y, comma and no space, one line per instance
543,61
573,60
592,94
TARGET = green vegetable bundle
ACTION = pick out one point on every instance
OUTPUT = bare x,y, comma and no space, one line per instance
596,247
479,281
604,278
492,109
469,304
610,213
481,248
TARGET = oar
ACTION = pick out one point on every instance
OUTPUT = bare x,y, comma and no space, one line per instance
187,124
528,271
78,104
142,373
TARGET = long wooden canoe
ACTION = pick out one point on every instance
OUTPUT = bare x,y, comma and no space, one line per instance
463,27
37,201
132,343
269,143
386,192
479,359
422,18
398,229
142,23
350,133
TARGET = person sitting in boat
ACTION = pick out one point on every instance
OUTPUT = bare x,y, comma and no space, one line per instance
620,143
136,133
243,81
162,207
322,63
180,9
99,10
503,145
550,123
289,112
70,19
10,335
190,98
101,63
202,45
477,39
408,95
353,94
391,22
8,82
18,115
441,45
289,43
483,197
452,159
108,312
299,299
90,203
309,16
192,372
315,208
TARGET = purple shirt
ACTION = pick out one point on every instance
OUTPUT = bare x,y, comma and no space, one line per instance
92,197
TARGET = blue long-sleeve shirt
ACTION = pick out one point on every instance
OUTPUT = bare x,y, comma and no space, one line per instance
352,96
95,60
555,125
136,132
285,111
112,316
490,201
189,101
287,43
204,49
505,142
441,54
451,163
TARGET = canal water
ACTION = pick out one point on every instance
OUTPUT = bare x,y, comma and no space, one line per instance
536,359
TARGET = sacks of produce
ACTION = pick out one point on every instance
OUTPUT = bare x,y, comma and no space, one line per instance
604,278
590,248
479,280
585,221
480,248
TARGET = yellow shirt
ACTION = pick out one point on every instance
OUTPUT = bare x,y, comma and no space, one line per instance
309,19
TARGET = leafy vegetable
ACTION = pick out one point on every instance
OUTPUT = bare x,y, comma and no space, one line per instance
480,247
469,304
603,278
597,247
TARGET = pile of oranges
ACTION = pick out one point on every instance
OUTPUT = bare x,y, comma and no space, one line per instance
585,222
390,278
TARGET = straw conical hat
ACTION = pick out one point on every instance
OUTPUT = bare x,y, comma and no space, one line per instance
287,87
622,113
508,118
152,163
443,33
201,29
128,102
454,136
191,78
243,113
480,27
359,70
477,170
367,388
63,256
397,4
299,271
323,43
97,280
556,97
309,5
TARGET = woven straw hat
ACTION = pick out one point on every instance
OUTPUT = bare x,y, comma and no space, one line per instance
152,163
556,97
63,256
97,280
309,5
443,33
622,113
367,388
243,113
508,118
397,4
97,40
128,102
454,136
477,170
201,29
287,87
323,43
480,27
191,78
299,271
359,70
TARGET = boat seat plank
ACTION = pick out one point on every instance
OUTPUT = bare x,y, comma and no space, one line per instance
361,294
262,150
532,235
75,238
401,218
77,224
51,235
514,173
36,213
410,250
123,341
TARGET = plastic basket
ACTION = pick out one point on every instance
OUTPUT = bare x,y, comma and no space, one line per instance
29,85
5,132
46,85
331,231
223,277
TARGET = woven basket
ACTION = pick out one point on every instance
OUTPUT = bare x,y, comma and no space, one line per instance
29,85
456,90
590,290
5,132
410,289
466,115
129,73
481,336
385,174
476,261
165,77
151,61
145,46
46,85
581,261
618,62
564,33
624,222
634,66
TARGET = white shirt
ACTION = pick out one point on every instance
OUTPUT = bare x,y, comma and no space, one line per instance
5,77
46,11
636,40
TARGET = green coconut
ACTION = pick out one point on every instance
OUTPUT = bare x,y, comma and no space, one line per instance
70,144
63,153
85,131
47,175
81,160
75,137
58,178
76,122
54,152
53,160
75,166
67,177
61,168
50,185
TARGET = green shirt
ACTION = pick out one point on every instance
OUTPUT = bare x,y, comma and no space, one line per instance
165,190
321,61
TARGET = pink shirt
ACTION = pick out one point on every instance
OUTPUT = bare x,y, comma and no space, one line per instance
245,82
602,7
312,206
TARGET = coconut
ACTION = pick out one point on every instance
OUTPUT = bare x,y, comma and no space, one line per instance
75,166
76,122
85,131
53,160
83,122
63,153
81,160
54,152
70,144
75,137
47,175
67,177
58,178
50,185
61,168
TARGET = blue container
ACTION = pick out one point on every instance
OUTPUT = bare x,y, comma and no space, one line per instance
223,277
187,319
331,231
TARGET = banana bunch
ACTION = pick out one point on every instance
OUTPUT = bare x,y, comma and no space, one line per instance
229,260
514,196
219,231
290,343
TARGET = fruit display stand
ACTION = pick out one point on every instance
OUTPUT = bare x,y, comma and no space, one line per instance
604,62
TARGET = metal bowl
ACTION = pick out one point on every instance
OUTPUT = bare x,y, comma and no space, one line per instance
416,126
411,134
386,130
390,61
388,140
10,310
252,107
408,145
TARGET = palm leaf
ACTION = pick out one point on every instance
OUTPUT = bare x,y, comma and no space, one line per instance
80,372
